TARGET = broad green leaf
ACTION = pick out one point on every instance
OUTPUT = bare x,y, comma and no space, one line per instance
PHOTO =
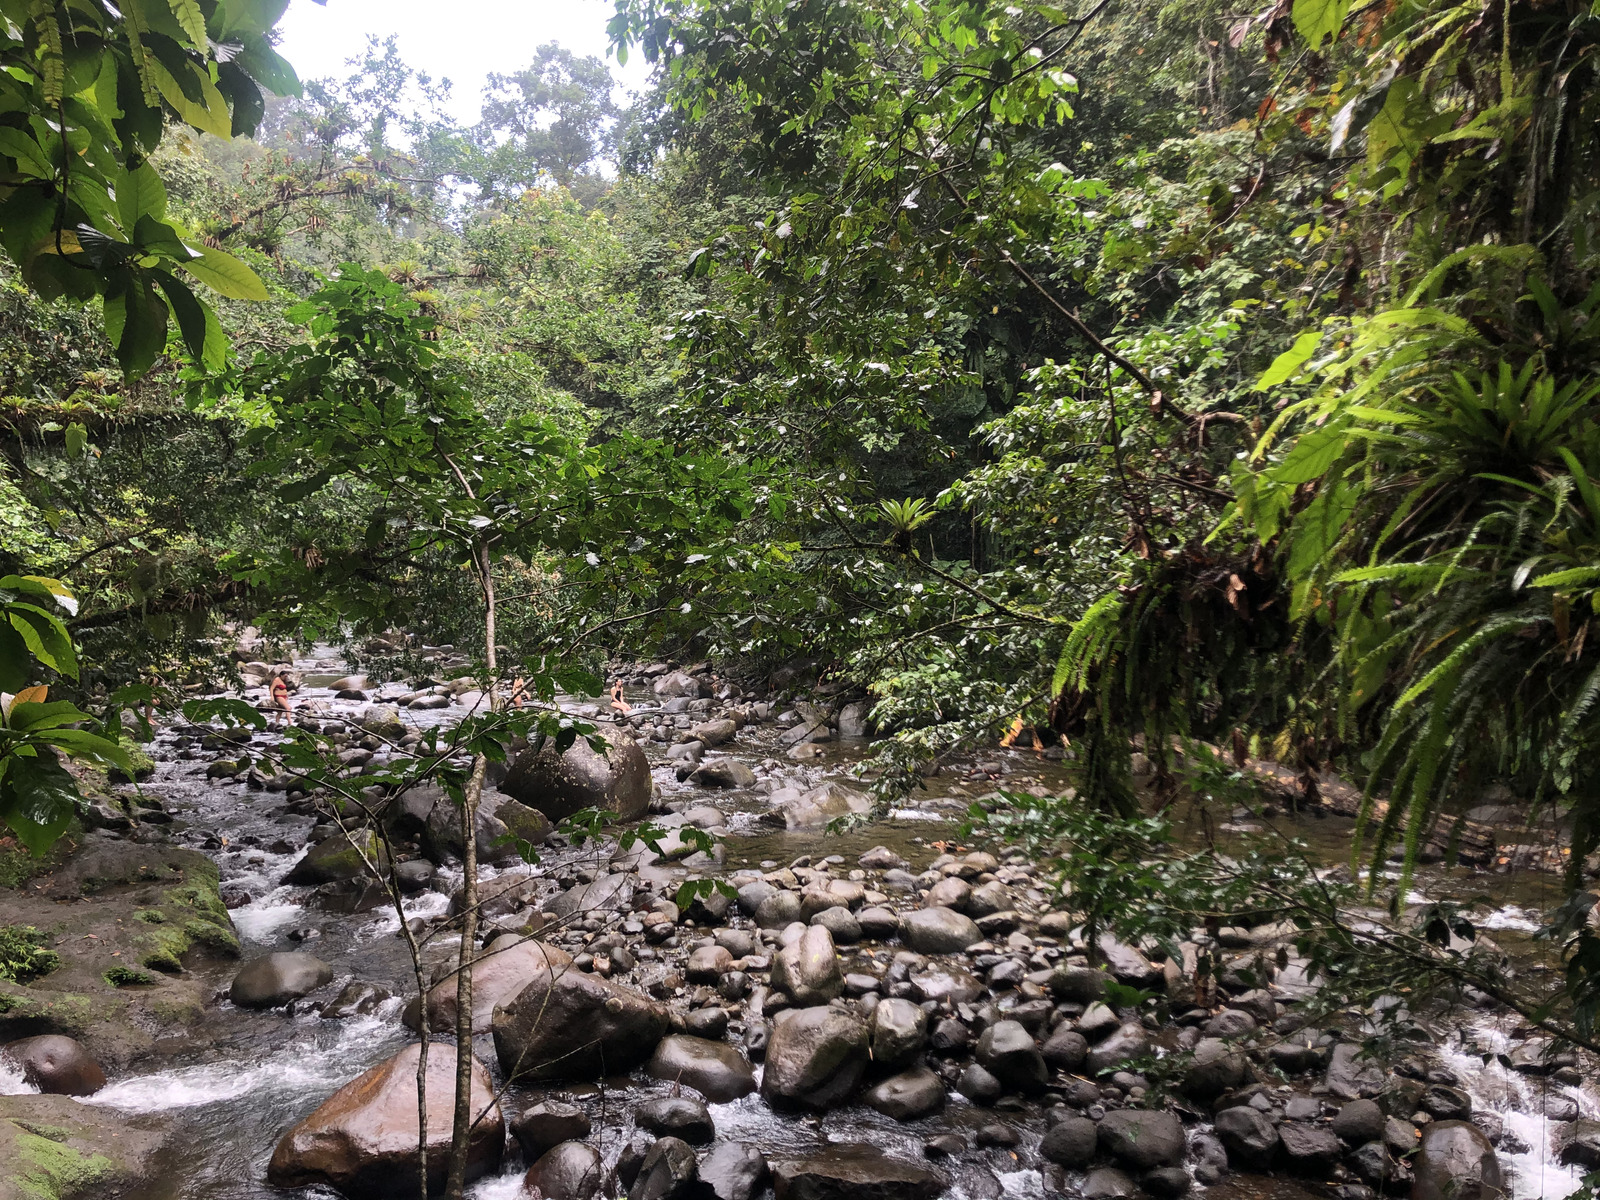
1290,361
210,114
1319,20
224,273
38,799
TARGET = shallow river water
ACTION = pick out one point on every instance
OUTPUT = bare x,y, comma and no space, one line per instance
251,1075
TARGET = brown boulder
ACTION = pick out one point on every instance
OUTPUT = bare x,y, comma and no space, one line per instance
498,974
56,1065
362,1141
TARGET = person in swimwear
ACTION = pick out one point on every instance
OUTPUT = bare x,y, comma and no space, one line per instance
617,702
281,711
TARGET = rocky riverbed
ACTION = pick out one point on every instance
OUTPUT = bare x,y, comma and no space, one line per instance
875,1015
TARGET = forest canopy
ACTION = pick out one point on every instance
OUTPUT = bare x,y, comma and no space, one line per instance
1112,375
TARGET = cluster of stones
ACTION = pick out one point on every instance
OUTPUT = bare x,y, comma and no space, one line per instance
894,990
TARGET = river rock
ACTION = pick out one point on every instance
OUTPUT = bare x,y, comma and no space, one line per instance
1579,1143
275,979
713,733
714,1069
854,1172
1127,965
559,785
58,1148
676,1116
1108,1183
1066,1050
381,719
841,923
1456,1162
356,999
1070,1143
881,858
899,1033
545,1126
337,858
950,892
667,1173
568,1024
877,923
1350,1076
55,1064
723,773
498,975
1128,1042
777,909
568,1171
677,683
362,1140
1142,1138
938,931
816,808
732,1171
1249,1137
1215,1067
1359,1121
1078,985
606,894
1309,1149
915,1093
807,970
853,719
815,1058
1007,1051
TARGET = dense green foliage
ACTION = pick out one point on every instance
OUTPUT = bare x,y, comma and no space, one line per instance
1104,375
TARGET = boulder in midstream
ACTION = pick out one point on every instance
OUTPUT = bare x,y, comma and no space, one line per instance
568,1024
362,1140
560,784
714,1069
815,1058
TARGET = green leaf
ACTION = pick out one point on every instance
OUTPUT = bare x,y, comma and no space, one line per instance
1319,20
226,274
209,114
14,660
37,800
154,237
46,637
1290,361
193,22
30,156
195,320
33,715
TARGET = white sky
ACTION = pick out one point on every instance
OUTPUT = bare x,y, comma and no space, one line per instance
462,40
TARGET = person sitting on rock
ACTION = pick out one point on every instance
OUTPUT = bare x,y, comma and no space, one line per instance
617,702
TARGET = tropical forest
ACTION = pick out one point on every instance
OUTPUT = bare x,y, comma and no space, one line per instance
812,599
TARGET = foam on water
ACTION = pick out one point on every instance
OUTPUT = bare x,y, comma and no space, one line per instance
260,920
1534,1173
11,1081
1512,917
498,1187
302,1066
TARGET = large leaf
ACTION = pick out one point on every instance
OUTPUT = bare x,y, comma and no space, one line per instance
140,193
1319,20
37,800
226,274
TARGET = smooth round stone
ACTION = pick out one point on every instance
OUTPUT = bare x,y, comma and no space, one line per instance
276,979
55,1064
908,1095
714,1069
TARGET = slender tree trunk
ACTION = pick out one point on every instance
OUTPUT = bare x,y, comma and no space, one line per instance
461,1126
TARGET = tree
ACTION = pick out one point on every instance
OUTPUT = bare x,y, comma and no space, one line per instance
89,90
552,120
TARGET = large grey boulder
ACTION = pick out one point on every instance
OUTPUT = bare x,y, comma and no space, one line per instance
1249,1136
815,809
498,975
362,1140
1142,1138
1456,1162
1128,1042
1215,1067
938,931
907,1096
1350,1076
568,1024
899,1033
275,979
568,1171
733,1171
560,784
667,1173
606,894
1070,1143
1007,1051
338,858
815,1059
807,969
854,1172
714,1069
